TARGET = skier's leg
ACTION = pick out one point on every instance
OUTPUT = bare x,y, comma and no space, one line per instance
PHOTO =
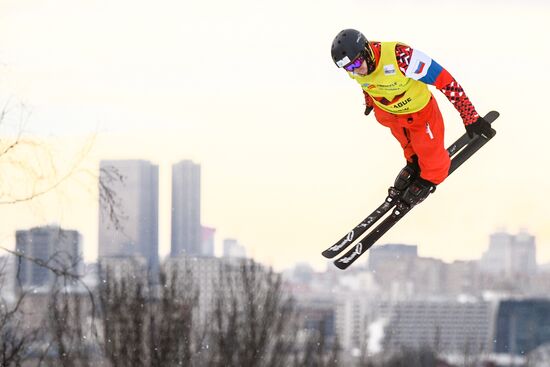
407,174
427,134
400,132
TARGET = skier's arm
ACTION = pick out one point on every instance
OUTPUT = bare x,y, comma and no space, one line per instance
456,95
369,104
419,66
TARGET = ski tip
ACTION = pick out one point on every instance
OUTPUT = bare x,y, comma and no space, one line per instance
339,246
491,116
328,254
341,265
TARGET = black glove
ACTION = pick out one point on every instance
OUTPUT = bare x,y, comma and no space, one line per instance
367,110
480,127
417,191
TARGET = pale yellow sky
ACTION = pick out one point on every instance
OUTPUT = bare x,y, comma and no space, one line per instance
248,90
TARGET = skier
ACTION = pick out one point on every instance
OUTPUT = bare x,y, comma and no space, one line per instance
394,78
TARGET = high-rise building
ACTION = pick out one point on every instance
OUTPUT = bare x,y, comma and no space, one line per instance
351,321
393,268
137,204
186,209
7,280
57,248
522,325
207,246
498,257
448,326
524,254
462,277
510,254
206,274
390,253
428,276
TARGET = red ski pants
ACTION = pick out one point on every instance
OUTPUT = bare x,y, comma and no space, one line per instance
421,133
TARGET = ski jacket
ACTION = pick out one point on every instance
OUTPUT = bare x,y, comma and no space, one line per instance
399,82
392,90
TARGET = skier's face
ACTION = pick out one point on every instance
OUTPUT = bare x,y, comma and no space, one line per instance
354,64
363,69
358,66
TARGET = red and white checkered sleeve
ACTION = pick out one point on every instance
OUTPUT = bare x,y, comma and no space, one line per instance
456,95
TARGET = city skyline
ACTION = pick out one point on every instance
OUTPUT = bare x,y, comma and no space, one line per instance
403,300
320,263
379,255
290,163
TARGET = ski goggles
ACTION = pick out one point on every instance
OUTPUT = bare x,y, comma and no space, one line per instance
355,64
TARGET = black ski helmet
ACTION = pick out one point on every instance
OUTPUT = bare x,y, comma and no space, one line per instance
348,45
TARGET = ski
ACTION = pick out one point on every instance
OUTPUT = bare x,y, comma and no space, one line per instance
365,224
390,200
464,147
370,239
